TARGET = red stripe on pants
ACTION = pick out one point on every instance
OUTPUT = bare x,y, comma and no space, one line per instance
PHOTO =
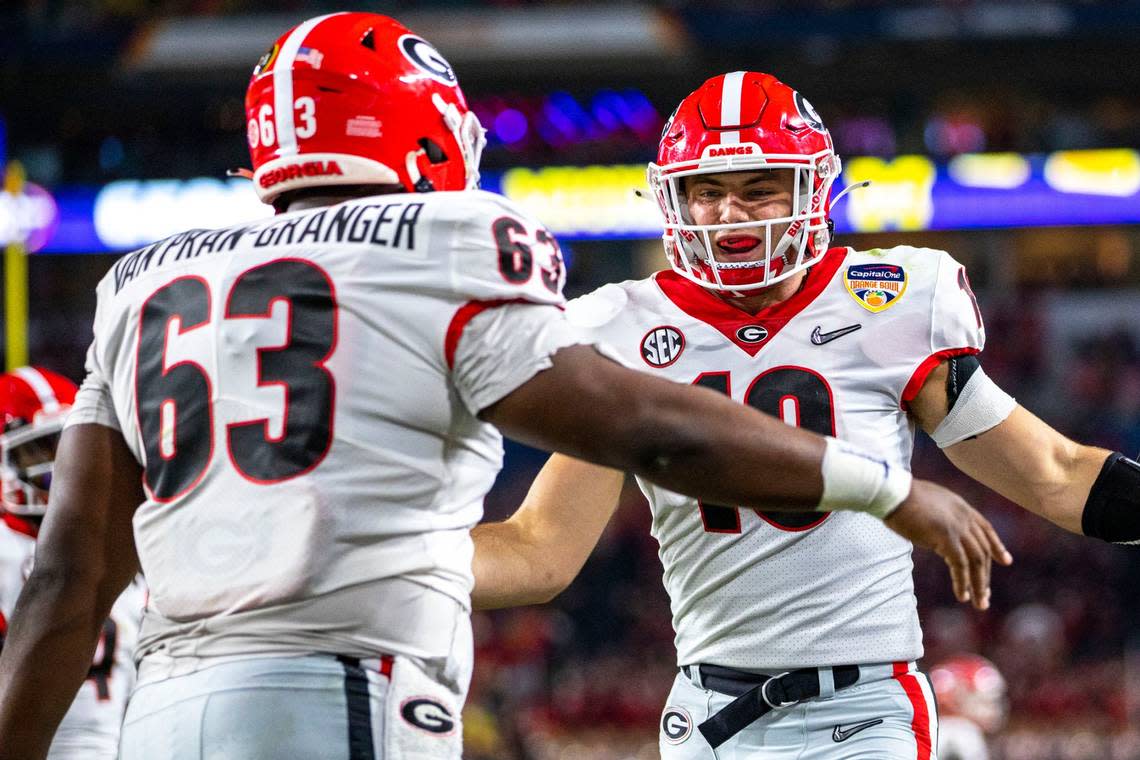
920,724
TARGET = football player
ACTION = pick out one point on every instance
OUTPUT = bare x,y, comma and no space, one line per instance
972,704
300,418
796,634
33,404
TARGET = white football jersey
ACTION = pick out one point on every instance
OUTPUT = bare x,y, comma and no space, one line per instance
773,591
302,393
90,729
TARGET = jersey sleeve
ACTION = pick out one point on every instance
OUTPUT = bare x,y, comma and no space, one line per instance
505,346
498,252
94,402
596,314
507,272
956,326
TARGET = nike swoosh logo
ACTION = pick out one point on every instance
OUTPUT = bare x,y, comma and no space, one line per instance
841,734
819,338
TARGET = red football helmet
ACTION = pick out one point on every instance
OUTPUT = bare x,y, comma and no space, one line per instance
745,121
970,687
34,403
357,99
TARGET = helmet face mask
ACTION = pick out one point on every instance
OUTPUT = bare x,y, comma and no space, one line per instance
745,121
34,403
27,457
356,99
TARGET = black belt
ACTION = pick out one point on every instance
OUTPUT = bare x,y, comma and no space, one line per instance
757,695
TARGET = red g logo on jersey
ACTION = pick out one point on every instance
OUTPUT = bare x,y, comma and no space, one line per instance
662,346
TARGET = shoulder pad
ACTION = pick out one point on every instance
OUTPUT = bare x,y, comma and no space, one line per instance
597,308
915,259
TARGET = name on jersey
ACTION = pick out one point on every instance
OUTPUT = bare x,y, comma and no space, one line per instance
875,286
392,225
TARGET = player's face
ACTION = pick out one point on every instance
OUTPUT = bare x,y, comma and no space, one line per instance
741,196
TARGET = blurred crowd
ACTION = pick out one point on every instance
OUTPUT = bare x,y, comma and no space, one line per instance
586,675
62,50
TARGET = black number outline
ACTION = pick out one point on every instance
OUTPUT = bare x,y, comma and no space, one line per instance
101,672
289,343
551,276
749,396
717,518
146,423
514,255
151,473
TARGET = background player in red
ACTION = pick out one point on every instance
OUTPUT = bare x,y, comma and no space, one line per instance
796,635
972,705
33,404
292,425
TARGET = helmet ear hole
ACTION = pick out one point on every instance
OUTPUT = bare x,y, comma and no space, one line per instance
433,150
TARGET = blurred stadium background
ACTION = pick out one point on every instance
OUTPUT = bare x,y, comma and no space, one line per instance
1004,132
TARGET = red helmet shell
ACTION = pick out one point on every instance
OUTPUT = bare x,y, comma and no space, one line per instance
742,114
745,121
357,98
34,402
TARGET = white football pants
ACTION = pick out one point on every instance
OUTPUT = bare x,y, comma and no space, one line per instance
316,706
889,714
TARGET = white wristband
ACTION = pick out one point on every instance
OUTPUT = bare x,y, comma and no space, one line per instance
853,479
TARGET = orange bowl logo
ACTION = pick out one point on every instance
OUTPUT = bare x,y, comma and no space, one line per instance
876,287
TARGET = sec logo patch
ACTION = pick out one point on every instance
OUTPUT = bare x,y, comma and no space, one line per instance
876,287
662,346
676,724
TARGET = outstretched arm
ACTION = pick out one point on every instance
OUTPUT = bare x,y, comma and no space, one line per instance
531,557
697,442
85,557
1034,466
1021,458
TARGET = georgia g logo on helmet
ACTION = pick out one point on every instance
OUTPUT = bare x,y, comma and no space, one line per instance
350,99
426,58
808,113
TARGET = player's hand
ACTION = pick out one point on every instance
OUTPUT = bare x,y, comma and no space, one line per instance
938,519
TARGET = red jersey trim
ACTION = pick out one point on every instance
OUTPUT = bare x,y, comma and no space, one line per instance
700,303
462,316
918,377
21,525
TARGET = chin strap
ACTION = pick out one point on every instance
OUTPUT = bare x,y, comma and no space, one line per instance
420,183
849,188
468,133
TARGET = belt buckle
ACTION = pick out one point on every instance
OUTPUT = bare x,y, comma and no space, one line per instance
768,701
